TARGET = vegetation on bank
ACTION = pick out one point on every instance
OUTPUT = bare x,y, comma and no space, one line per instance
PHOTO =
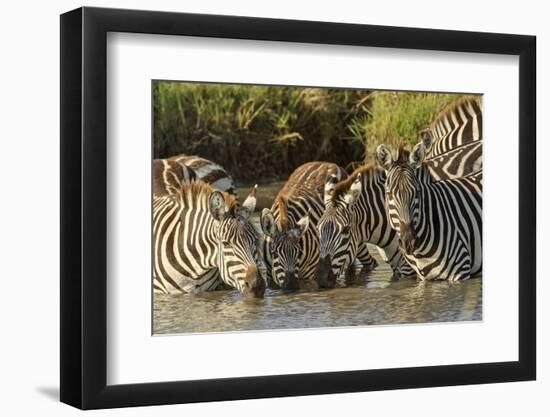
262,132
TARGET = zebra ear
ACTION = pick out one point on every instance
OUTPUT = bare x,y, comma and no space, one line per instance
354,191
303,225
427,138
217,205
417,155
330,185
268,222
383,157
249,204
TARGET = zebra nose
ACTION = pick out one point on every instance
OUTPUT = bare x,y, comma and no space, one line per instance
323,273
254,285
291,280
407,237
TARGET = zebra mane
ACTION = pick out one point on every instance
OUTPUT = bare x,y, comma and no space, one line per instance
343,186
282,204
473,101
197,193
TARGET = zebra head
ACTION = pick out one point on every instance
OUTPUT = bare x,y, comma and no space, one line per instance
285,246
337,238
237,244
402,191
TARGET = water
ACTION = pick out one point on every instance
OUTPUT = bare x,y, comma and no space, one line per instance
372,299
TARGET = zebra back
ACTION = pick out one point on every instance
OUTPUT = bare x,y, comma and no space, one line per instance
456,163
460,123
454,140
207,171
303,193
168,176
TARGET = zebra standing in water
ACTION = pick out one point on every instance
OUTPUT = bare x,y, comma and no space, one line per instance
169,173
201,235
438,222
454,144
354,214
291,242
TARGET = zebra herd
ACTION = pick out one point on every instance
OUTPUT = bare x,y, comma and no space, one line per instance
420,208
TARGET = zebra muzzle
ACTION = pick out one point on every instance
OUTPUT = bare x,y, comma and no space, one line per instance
323,273
254,285
407,237
291,281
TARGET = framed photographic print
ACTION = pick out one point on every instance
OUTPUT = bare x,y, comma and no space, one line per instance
258,208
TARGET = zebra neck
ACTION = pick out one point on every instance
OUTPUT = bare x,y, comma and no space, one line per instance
370,212
202,243
427,200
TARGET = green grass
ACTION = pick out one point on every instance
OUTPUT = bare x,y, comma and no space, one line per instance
393,117
261,132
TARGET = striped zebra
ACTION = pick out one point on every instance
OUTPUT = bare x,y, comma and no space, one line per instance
169,173
438,222
454,149
354,213
453,141
201,237
291,242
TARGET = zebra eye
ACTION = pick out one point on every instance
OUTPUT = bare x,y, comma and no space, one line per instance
345,229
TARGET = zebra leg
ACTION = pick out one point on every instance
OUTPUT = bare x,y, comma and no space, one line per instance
367,260
463,257
406,271
350,274
463,274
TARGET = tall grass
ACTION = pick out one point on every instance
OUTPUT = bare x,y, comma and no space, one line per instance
394,117
262,132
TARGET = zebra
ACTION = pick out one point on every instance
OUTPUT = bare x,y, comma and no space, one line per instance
454,149
169,173
458,124
291,242
207,171
438,222
201,235
354,214
453,141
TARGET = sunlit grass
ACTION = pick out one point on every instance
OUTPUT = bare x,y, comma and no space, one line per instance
262,132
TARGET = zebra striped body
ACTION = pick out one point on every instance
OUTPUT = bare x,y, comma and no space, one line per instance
460,123
456,163
454,140
201,238
438,222
291,249
354,214
170,173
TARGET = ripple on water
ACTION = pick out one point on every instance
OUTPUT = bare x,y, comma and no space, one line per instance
371,300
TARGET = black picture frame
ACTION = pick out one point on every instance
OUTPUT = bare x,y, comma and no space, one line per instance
84,207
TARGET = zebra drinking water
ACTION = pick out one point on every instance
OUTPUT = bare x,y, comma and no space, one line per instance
454,149
355,213
291,243
201,235
438,222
